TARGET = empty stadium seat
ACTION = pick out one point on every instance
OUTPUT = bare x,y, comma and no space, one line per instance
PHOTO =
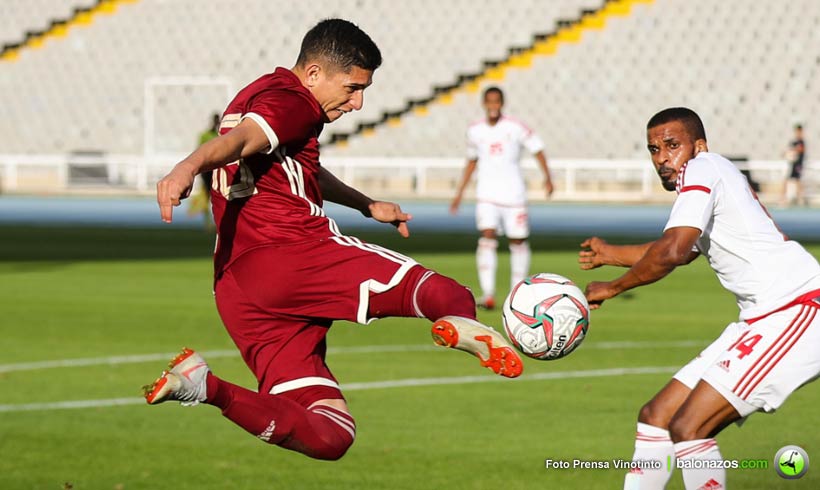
750,68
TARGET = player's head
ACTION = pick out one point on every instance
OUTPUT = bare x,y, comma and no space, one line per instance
216,121
493,101
340,45
798,129
674,136
336,63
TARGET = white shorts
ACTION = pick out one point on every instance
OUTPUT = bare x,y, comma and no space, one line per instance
756,367
514,219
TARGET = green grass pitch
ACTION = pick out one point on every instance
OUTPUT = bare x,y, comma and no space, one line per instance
72,294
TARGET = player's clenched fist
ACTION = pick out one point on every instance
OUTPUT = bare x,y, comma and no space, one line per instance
172,189
597,292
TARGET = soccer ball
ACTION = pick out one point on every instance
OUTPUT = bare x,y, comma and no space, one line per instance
546,316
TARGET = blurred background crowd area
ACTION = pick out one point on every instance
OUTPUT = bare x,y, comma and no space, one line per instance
104,96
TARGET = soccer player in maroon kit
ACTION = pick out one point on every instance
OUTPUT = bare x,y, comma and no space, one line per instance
283,270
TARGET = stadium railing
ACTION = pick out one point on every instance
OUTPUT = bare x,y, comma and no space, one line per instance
602,180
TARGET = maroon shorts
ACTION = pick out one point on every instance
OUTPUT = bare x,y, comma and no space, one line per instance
277,303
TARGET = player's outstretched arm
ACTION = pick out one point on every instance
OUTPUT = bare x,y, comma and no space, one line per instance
244,140
334,190
674,248
596,252
465,179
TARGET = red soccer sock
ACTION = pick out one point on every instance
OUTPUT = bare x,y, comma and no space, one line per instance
321,432
437,296
424,293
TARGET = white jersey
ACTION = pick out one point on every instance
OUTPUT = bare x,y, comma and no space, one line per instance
745,248
498,151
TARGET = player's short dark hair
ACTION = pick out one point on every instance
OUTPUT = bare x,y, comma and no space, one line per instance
341,43
493,89
798,126
690,119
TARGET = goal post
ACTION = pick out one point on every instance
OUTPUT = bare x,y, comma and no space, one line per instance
176,109
188,99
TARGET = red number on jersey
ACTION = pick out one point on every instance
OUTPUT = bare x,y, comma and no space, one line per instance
745,345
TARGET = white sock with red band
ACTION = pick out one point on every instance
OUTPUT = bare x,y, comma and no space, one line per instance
520,255
696,475
651,444
487,262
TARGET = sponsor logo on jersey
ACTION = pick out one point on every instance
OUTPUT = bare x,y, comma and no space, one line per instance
268,433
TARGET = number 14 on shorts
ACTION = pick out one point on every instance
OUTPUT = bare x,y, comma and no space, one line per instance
745,344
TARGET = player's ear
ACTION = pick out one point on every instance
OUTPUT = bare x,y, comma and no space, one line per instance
700,145
313,73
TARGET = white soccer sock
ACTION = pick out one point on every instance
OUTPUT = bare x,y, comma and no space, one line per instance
487,261
791,192
689,454
651,444
519,262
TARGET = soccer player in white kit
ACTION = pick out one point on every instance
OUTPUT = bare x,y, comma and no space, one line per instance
494,149
758,361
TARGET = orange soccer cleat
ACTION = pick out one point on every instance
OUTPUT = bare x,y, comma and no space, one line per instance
491,348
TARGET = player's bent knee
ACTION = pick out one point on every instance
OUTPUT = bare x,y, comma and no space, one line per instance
650,415
333,450
681,429
335,431
440,296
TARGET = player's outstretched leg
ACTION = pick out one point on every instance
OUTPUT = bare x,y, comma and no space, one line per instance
319,431
451,306
491,348
184,380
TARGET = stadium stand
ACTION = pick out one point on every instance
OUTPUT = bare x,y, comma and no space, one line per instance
749,70
103,66
584,73
24,18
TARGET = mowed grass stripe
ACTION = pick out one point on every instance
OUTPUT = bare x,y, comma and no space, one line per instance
363,349
372,385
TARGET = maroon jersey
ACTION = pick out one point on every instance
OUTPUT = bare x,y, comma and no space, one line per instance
272,197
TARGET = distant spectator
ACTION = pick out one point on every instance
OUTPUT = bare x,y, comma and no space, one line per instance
211,132
202,200
205,137
793,188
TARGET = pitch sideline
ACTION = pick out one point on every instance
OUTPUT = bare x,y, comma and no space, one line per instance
370,385
364,349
